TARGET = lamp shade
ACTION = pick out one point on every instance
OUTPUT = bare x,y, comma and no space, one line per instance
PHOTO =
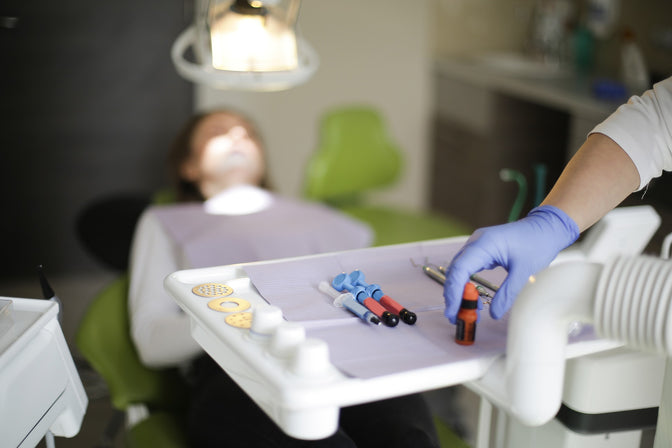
245,45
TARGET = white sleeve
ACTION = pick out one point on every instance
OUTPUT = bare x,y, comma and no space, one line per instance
159,328
643,128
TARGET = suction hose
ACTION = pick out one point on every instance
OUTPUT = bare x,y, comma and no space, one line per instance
627,299
633,301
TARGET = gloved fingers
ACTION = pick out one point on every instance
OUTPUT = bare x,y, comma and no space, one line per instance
473,237
507,293
470,261
452,292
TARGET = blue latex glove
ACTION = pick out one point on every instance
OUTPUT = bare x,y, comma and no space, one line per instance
523,248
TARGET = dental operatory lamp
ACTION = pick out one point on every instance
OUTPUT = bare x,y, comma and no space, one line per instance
245,45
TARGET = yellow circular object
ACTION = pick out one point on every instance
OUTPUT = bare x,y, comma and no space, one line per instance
228,304
212,290
239,320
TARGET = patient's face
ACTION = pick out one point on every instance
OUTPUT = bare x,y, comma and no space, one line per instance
225,152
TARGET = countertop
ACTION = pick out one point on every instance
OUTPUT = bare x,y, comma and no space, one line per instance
510,74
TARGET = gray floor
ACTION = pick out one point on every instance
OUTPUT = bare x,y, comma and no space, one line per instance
99,417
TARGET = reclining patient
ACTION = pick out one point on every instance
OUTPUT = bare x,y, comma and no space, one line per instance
226,214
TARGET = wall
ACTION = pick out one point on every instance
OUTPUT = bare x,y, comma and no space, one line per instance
375,52
90,103
651,22
467,27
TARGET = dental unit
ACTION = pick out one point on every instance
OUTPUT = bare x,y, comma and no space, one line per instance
528,368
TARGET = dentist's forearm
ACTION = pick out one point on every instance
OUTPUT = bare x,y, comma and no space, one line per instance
598,178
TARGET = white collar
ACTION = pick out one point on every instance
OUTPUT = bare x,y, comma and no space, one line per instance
238,200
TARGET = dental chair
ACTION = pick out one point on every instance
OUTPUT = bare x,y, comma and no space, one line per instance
152,400
356,155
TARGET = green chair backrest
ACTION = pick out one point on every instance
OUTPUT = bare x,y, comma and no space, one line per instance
103,337
355,154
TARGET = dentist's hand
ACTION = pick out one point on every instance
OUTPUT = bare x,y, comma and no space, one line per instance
523,248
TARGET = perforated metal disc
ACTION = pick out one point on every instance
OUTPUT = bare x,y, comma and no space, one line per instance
239,320
212,290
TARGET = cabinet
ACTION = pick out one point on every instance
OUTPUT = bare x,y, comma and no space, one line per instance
486,120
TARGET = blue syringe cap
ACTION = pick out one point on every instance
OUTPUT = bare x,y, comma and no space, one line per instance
359,293
340,281
374,291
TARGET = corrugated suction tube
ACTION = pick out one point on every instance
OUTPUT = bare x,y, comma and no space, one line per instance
632,303
627,299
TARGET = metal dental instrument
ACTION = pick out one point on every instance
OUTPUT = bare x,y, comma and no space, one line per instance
433,272
438,273
485,283
484,293
478,279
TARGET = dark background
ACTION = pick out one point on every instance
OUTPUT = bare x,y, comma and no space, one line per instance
89,103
